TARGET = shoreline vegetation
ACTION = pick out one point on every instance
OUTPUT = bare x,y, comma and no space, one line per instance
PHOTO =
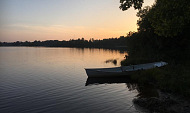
163,35
112,43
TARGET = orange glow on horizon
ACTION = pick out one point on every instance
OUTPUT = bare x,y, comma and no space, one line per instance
59,32
60,21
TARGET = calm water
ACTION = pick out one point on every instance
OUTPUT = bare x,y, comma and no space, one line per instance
53,80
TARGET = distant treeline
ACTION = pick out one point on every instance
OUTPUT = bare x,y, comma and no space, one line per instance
80,42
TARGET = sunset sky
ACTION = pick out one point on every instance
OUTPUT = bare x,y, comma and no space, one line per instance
29,20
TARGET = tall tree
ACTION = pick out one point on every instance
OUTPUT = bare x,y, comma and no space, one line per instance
126,4
169,18
143,23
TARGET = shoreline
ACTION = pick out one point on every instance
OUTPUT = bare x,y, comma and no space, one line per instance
165,103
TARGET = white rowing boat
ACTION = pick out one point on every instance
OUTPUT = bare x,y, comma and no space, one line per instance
120,71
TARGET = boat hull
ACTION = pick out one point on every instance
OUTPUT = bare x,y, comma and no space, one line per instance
121,71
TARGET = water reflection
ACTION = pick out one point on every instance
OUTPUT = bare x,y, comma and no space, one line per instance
111,80
144,91
147,91
113,61
51,80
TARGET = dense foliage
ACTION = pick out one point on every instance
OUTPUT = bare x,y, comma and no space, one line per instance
170,17
126,4
163,34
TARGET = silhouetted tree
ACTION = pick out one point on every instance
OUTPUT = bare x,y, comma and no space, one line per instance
170,17
126,4
143,23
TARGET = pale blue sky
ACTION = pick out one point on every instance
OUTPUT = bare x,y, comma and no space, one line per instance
64,19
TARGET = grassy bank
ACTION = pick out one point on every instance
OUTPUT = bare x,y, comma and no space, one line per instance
173,78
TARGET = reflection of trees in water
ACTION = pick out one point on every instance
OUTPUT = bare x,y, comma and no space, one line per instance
114,61
112,80
132,86
147,95
144,91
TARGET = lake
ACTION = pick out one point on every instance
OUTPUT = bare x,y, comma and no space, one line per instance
53,80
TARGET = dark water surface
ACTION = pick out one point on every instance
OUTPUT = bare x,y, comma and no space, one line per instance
53,80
